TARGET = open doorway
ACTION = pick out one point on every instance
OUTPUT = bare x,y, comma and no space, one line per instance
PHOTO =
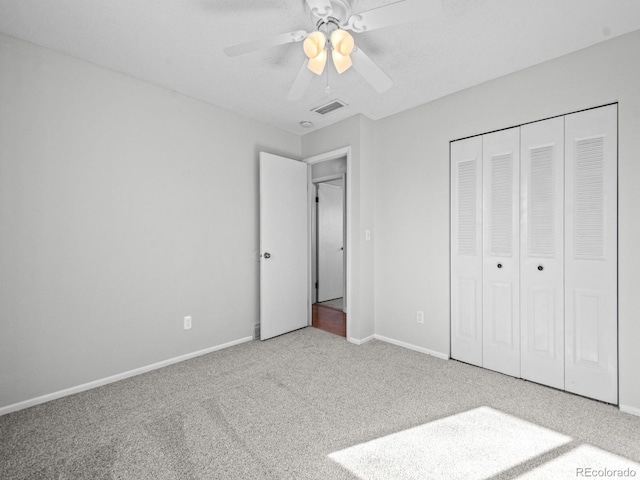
328,246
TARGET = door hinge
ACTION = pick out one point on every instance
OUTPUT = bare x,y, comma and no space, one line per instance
316,284
317,199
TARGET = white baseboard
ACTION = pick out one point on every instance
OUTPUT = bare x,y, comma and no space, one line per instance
114,378
410,346
631,410
360,342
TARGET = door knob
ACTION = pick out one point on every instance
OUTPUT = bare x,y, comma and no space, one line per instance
267,255
499,265
540,267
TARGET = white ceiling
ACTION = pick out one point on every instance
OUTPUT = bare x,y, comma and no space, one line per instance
178,44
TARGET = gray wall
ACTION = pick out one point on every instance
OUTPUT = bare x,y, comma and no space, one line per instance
123,208
329,168
412,188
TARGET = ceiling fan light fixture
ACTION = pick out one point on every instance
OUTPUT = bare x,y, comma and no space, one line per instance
341,62
314,44
317,63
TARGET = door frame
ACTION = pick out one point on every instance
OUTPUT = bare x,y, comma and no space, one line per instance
315,257
323,157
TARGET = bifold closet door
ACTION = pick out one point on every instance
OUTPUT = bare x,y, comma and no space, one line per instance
500,271
466,250
542,252
591,254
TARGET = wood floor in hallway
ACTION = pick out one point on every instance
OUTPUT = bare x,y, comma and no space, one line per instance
329,319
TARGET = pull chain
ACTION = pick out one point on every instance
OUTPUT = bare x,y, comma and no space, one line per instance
328,89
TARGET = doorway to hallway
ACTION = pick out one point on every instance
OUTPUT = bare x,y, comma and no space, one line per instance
328,246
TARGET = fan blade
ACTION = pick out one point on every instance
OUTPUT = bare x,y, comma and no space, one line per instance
301,83
320,8
406,11
370,71
259,44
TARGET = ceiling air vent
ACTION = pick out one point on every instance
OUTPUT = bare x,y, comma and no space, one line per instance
327,108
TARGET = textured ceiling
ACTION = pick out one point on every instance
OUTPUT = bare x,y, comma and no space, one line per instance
178,44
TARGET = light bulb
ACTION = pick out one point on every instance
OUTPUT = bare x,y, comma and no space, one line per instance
314,44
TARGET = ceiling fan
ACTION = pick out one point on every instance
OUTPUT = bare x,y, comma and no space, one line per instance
333,20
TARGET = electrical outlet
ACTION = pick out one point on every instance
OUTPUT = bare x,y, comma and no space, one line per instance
187,323
420,316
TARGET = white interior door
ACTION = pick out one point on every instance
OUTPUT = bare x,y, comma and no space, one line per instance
542,252
330,241
591,353
283,245
501,220
466,250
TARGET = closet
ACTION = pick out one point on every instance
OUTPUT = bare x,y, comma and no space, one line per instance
534,252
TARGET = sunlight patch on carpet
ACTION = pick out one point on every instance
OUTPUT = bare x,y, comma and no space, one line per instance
585,461
472,445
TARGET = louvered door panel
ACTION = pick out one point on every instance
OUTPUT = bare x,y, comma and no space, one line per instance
591,254
542,252
501,178
466,250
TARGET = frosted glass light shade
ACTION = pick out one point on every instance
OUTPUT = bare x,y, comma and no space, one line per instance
342,41
317,63
314,44
341,62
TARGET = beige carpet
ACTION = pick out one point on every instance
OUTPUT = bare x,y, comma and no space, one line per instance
309,405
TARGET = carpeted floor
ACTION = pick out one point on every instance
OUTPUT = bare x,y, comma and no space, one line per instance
309,405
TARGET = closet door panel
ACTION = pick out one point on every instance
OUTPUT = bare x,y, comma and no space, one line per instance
542,252
466,250
501,179
591,254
